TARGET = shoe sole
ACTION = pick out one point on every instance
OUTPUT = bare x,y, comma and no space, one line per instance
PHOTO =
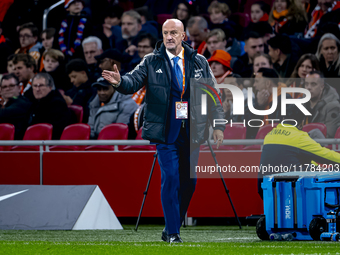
176,242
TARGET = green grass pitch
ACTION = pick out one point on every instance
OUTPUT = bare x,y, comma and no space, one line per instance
197,240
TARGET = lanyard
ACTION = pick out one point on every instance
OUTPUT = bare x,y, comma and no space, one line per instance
183,89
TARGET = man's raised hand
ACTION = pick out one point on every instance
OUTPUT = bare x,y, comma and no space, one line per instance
112,76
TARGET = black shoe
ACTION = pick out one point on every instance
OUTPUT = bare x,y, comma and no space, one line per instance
165,236
175,238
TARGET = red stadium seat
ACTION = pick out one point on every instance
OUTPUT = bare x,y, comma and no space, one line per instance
6,133
261,134
322,127
78,110
41,131
116,131
139,147
337,136
337,133
161,18
79,131
231,132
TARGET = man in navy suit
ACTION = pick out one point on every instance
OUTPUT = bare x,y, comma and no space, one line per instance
173,75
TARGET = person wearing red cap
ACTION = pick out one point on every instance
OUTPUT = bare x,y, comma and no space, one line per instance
220,65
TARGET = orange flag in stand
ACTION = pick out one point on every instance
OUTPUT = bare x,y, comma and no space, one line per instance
139,96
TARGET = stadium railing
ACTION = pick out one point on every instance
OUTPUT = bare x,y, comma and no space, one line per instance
44,145
46,11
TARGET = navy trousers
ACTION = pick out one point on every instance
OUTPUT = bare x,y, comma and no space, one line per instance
177,163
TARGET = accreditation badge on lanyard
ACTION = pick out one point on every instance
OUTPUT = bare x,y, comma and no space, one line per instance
182,106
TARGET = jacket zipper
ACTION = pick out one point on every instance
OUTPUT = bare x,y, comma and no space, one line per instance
168,93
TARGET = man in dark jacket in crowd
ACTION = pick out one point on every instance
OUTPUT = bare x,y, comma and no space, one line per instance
49,106
131,26
15,108
145,45
324,103
168,97
254,44
280,51
81,93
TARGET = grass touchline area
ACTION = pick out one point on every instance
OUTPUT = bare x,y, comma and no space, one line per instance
147,240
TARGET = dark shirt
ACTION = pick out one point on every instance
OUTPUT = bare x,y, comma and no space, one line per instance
227,26
16,112
286,69
331,73
82,96
70,34
61,81
52,109
5,51
94,72
243,67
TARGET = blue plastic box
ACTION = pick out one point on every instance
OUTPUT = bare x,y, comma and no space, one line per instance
292,200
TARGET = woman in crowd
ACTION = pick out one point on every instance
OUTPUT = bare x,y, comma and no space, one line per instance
259,12
262,60
307,63
288,18
329,58
183,12
328,55
54,65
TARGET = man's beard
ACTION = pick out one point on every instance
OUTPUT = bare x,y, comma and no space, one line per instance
126,36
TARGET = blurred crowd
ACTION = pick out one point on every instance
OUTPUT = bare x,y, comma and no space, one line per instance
259,44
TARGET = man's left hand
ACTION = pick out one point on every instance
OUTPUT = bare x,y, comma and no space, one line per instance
218,136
